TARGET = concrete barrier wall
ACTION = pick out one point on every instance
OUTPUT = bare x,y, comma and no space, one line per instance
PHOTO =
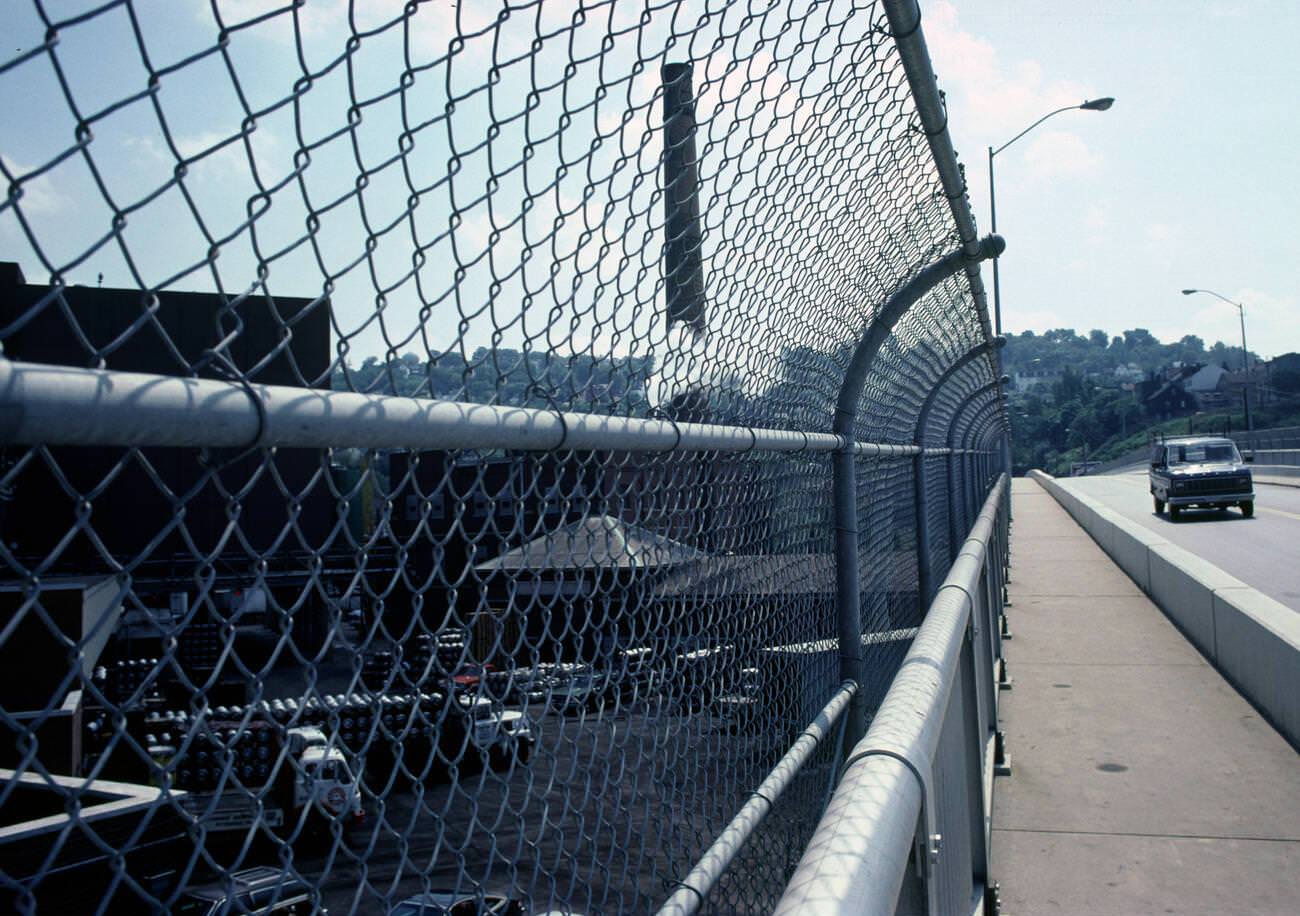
1275,470
1289,456
1252,639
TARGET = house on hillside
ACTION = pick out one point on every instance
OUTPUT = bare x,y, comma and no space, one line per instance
1287,362
1039,380
1234,384
1283,375
1206,386
1163,395
1129,374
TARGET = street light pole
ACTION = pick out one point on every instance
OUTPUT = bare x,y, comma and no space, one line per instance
1245,353
993,228
1089,105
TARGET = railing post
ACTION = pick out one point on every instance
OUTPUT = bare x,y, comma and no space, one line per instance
844,485
973,443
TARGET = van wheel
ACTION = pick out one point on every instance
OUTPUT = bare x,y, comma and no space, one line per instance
1160,505
1175,512
1247,510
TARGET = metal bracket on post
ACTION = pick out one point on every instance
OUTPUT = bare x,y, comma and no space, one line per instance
1001,759
844,486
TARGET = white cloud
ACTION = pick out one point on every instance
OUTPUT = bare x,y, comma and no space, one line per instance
39,196
1056,153
1000,98
1096,217
1003,98
1269,319
1159,233
1038,321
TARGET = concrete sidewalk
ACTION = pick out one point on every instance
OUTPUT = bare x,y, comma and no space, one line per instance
1142,782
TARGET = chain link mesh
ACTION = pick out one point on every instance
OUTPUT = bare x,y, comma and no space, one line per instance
355,677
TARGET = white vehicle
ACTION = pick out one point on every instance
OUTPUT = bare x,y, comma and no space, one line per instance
498,733
314,777
322,777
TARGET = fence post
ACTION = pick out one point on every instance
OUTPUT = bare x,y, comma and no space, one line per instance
924,553
954,532
844,484
973,442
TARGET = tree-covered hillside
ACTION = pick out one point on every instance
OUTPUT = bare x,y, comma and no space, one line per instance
1096,352
1081,411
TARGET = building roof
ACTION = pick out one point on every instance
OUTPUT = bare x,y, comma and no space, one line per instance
778,574
597,541
1204,380
783,575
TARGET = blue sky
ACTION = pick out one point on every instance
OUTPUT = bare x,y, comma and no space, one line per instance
1190,180
1187,181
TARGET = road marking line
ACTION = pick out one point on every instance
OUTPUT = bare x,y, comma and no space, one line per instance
1259,508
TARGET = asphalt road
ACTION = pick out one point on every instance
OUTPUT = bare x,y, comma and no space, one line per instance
1263,552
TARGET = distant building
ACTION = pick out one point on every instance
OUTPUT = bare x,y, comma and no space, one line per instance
1037,380
1282,375
157,512
1162,394
1234,385
1129,375
1287,362
1206,386
454,514
283,341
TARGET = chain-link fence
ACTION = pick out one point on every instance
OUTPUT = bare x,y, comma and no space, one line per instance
418,423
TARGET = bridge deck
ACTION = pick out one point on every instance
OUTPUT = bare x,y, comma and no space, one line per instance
1142,782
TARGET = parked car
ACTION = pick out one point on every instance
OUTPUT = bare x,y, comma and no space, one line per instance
1205,472
259,890
452,903
744,702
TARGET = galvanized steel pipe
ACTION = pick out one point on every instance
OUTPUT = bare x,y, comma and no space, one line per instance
63,405
696,886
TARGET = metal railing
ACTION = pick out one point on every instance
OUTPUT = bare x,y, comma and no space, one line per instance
908,827
455,453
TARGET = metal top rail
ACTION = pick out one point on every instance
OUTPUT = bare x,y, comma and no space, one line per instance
70,406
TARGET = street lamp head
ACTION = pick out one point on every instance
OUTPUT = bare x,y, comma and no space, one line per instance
1097,104
1188,292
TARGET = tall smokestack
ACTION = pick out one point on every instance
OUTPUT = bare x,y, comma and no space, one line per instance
683,271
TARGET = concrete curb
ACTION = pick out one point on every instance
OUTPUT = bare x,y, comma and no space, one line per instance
1253,640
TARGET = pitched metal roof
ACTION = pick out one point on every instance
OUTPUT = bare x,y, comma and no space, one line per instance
598,541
